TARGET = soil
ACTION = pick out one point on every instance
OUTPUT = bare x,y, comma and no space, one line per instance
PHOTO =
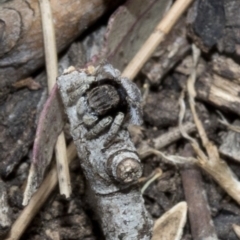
73,219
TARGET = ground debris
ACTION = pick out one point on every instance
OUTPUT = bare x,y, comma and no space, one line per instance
165,75
231,143
18,123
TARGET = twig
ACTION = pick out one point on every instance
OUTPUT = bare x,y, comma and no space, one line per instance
199,214
165,139
158,173
172,135
52,72
38,199
156,38
199,211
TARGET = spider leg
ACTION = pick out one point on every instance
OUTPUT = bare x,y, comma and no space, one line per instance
114,128
77,84
77,89
74,96
98,128
89,119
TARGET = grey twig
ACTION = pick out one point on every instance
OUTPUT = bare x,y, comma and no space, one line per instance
105,104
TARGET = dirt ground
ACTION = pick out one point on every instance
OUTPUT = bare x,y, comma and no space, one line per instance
161,89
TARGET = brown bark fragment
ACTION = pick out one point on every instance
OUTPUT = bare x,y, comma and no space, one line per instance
129,28
17,127
230,144
225,67
206,22
198,207
219,91
21,48
161,109
215,23
170,52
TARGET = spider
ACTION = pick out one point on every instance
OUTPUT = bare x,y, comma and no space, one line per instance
105,100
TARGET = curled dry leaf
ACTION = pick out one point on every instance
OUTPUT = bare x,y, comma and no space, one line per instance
50,124
236,229
170,225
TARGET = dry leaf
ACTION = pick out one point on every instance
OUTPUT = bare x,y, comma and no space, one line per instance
170,225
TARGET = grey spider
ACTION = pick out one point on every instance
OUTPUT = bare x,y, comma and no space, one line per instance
104,100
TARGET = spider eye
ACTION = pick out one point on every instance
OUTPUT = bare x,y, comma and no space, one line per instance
103,98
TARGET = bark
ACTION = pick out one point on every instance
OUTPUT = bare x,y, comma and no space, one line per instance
111,170
230,144
215,23
172,50
219,91
21,45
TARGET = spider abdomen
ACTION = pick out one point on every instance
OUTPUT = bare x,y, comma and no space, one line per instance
103,98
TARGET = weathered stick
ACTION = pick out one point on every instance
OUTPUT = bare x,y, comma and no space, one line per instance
165,139
50,50
219,91
199,214
38,199
173,49
156,38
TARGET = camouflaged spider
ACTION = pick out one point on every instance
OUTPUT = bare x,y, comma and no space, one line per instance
103,100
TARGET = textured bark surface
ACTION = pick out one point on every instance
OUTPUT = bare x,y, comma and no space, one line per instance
129,28
118,204
21,46
17,127
219,91
230,144
215,23
172,50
